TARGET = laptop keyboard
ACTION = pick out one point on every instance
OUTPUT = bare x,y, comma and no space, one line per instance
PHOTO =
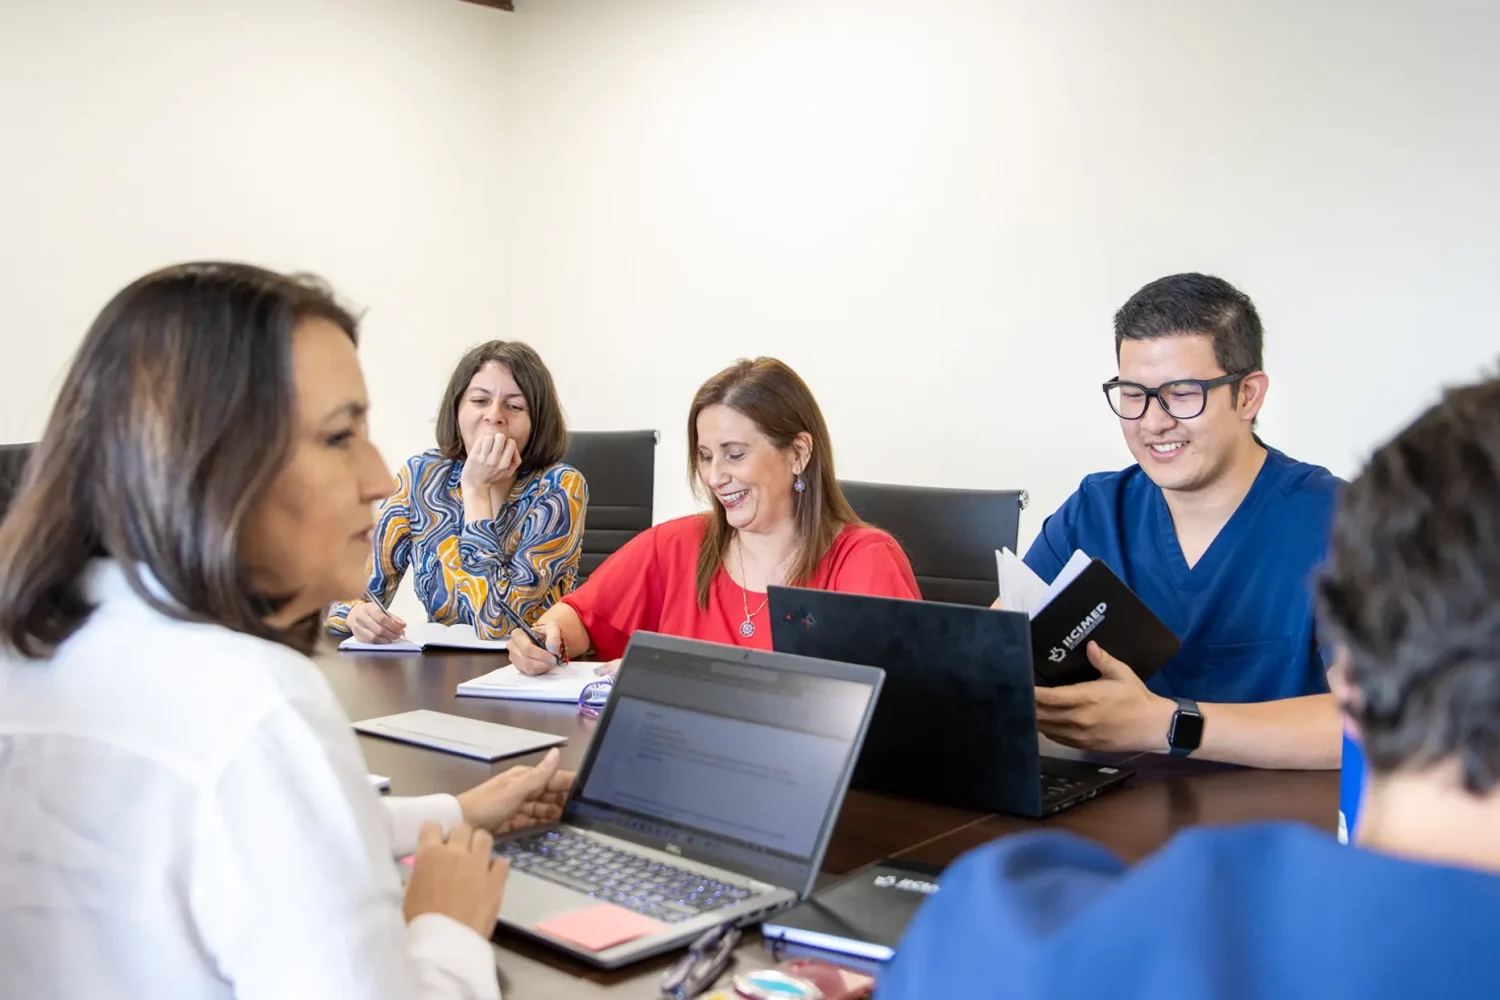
669,894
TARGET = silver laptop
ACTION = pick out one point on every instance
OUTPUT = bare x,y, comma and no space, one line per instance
708,796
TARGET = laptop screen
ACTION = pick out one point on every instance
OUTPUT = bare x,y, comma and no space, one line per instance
735,758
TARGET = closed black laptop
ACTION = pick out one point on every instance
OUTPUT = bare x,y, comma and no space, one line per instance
956,722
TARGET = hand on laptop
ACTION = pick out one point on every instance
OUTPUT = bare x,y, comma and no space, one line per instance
518,797
1115,712
531,659
456,877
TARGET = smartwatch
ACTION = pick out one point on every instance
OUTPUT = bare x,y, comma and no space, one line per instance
1186,732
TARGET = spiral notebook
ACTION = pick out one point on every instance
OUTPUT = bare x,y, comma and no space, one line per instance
564,683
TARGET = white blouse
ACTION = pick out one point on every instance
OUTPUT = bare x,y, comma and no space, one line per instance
184,812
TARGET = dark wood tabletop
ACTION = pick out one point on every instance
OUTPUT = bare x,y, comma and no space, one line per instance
1165,795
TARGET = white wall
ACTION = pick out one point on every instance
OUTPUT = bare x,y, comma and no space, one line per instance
932,209
359,139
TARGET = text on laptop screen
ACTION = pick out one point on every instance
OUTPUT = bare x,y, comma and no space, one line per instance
743,754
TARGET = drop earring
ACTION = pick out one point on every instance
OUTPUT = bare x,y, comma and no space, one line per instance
799,485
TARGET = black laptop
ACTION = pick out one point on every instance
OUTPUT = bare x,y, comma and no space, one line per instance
956,721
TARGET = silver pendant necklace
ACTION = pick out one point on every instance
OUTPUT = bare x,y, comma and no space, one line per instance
747,628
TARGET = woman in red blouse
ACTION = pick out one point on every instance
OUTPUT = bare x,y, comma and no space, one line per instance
759,449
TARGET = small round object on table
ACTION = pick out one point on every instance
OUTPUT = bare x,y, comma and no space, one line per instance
772,984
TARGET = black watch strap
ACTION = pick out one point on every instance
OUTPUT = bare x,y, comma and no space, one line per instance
1186,732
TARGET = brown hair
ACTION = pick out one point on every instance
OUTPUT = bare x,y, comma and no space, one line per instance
782,406
176,415
549,429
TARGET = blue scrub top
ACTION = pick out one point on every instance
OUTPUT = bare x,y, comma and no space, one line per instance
1244,612
1266,911
1351,787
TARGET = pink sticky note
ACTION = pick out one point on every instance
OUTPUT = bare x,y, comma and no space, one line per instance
599,927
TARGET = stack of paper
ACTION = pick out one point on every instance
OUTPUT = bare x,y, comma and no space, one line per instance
431,635
1023,590
564,683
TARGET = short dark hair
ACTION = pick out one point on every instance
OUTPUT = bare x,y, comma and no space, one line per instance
549,428
1184,304
1412,591
178,412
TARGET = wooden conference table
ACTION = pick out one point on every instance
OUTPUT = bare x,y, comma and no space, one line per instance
1166,795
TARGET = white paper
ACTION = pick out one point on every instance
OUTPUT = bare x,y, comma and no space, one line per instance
425,635
1023,590
1020,588
1075,565
563,683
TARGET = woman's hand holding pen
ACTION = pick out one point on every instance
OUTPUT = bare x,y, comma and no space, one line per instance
369,622
531,658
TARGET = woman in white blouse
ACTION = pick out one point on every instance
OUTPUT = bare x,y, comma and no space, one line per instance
184,811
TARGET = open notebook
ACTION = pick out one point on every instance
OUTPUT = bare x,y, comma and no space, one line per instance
432,635
1087,602
1022,590
564,683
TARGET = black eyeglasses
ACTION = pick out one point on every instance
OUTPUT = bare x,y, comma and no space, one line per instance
1180,399
705,961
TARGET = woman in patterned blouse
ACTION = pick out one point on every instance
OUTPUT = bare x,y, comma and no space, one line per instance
491,517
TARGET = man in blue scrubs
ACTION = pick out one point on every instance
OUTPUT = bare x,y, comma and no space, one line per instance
1218,534
1278,910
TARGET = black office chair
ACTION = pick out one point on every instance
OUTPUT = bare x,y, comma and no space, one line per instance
13,458
949,535
620,467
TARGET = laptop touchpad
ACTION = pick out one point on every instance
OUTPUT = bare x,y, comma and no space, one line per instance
529,900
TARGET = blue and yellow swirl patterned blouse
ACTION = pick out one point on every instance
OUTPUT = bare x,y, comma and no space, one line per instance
527,556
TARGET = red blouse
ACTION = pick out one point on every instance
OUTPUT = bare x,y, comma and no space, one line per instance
651,583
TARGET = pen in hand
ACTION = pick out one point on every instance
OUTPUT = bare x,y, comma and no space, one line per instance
536,639
384,626
559,658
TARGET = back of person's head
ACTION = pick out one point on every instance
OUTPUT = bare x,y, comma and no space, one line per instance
782,407
1412,591
178,412
1196,304
548,441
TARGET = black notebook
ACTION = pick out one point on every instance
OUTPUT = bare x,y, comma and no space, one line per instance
863,915
1087,602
